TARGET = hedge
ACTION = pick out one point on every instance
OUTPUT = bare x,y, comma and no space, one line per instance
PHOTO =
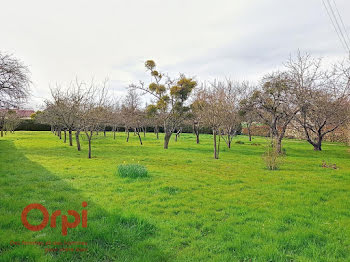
31,125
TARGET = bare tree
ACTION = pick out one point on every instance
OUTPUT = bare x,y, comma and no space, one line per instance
66,106
169,98
210,104
115,119
94,111
247,109
195,116
154,119
3,114
275,104
14,81
132,114
49,116
231,117
323,96
12,121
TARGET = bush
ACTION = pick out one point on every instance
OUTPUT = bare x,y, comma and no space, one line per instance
132,170
31,125
239,142
272,158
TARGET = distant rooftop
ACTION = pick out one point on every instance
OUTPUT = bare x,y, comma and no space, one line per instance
23,113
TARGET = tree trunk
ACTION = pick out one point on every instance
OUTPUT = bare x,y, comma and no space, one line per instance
218,151
167,139
196,132
318,145
178,134
215,147
77,139
60,134
89,138
104,132
65,136
279,145
138,133
249,133
156,130
127,135
144,132
70,137
114,134
229,139
2,132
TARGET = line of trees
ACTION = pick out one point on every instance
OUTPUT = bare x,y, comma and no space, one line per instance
303,95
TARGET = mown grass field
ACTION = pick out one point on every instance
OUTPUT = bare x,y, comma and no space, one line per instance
190,208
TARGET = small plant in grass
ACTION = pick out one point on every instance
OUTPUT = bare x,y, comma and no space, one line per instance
239,142
329,165
272,158
255,144
132,170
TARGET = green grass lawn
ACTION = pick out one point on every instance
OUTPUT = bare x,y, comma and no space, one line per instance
190,207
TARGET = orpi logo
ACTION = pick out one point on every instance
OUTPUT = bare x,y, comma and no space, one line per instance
55,214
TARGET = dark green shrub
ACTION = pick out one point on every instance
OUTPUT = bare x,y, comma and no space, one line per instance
31,125
132,170
239,142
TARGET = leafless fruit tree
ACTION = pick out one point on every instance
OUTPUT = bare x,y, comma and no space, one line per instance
323,96
14,81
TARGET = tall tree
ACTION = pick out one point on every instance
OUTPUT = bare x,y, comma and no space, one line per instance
275,104
94,111
12,121
14,81
210,103
232,120
322,96
132,114
169,98
247,109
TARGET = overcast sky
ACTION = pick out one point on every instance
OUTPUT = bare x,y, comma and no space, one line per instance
237,39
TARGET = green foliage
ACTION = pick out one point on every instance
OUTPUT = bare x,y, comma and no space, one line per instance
183,88
151,110
32,125
155,73
35,115
152,87
132,170
150,64
169,96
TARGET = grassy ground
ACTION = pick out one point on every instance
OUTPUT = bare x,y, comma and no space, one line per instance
190,208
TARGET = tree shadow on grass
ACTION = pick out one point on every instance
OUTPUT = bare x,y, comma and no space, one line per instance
109,236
